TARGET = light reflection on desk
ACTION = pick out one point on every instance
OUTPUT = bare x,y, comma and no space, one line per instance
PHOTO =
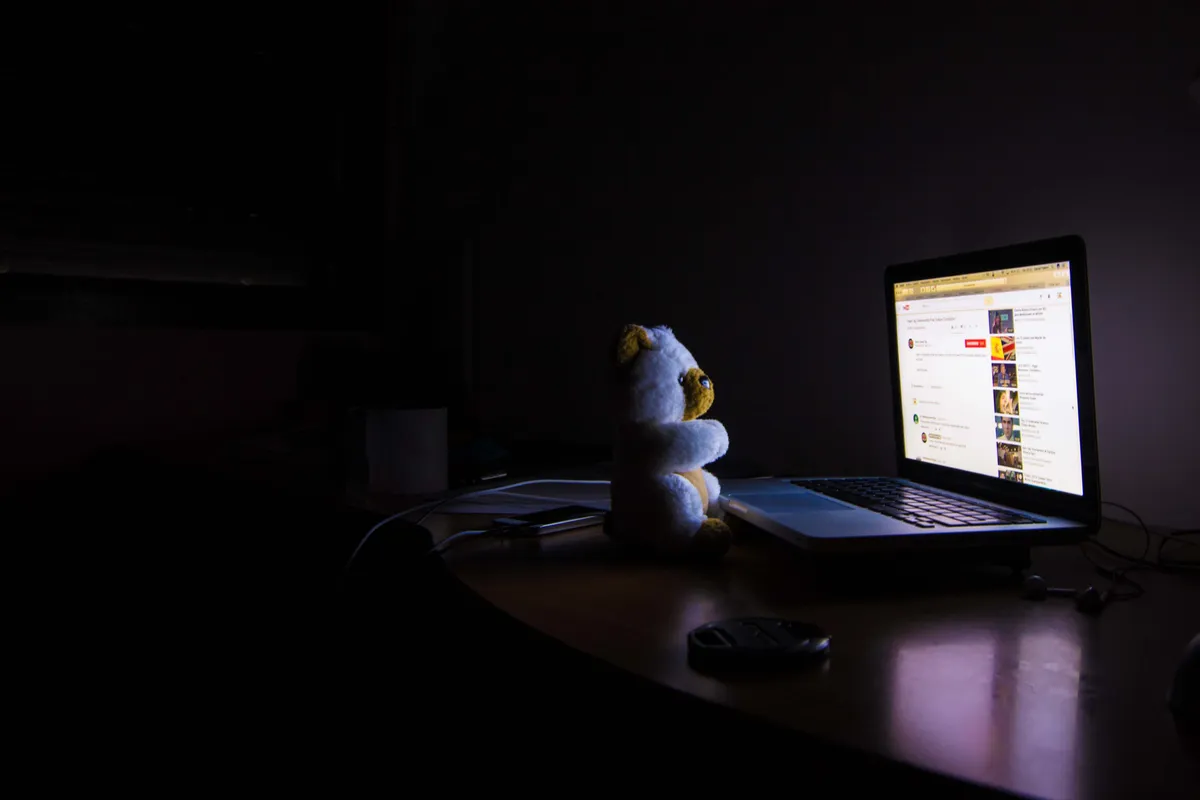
698,608
942,703
1042,747
991,704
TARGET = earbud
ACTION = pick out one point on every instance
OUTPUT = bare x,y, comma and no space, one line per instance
1090,601
1036,589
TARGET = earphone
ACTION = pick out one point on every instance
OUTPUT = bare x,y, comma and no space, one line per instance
1090,601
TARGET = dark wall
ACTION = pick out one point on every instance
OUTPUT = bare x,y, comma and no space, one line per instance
198,144
745,176
70,393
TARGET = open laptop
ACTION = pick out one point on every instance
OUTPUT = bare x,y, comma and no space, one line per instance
992,397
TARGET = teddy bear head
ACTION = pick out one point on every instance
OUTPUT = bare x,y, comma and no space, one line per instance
657,379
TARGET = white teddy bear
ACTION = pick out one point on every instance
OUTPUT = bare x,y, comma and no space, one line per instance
662,497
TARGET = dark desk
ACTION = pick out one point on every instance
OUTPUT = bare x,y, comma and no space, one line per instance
958,677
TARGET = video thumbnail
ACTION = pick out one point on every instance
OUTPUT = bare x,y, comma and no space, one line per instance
1008,429
1004,348
1004,376
1007,402
1012,475
1000,321
1009,455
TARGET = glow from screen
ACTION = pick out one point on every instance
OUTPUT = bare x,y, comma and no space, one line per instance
987,374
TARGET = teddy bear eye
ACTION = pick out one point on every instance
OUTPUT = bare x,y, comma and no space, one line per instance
681,377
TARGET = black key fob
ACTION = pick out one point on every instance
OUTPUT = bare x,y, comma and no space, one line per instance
756,643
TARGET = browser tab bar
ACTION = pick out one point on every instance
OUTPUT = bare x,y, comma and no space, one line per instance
1041,276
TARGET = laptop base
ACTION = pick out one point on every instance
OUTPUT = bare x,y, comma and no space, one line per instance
1011,559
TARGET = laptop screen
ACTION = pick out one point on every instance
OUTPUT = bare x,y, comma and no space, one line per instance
987,374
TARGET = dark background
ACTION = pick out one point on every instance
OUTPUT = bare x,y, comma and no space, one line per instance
745,175
485,192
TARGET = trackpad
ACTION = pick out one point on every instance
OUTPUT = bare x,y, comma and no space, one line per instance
798,500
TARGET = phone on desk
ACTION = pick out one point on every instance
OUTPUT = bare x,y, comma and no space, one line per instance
552,520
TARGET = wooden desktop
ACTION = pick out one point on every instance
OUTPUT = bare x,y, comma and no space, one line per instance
952,674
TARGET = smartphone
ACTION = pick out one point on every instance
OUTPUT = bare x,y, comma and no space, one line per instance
552,520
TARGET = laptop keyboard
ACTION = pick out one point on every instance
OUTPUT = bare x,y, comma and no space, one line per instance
914,505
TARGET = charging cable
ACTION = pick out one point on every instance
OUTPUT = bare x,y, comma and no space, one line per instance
432,506
446,543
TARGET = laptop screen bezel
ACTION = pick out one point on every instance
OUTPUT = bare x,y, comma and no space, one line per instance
1085,508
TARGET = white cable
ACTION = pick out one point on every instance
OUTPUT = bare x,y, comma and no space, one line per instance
432,505
444,544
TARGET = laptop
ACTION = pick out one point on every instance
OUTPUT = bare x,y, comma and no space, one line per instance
994,414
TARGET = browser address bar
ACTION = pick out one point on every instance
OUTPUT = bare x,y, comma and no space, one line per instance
942,287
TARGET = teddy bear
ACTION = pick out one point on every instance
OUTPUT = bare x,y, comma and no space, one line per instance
663,500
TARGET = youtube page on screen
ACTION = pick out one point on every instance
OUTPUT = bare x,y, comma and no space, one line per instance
987,374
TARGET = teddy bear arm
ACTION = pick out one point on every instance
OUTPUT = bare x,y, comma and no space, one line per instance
685,446
713,487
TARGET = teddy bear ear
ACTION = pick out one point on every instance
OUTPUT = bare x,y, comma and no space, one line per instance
633,340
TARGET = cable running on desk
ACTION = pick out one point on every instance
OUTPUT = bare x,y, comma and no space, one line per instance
433,505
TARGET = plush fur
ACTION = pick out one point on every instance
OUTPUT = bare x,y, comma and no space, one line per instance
662,497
